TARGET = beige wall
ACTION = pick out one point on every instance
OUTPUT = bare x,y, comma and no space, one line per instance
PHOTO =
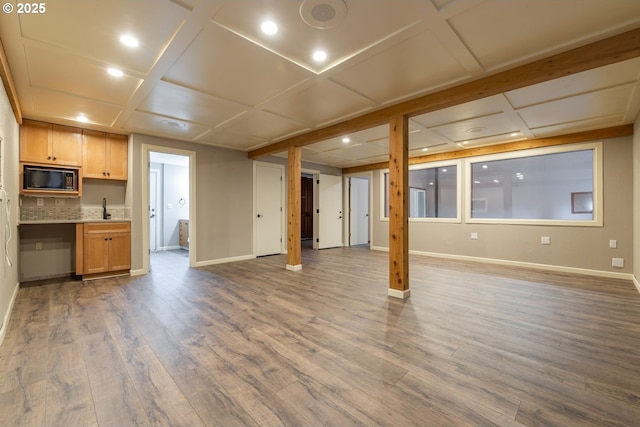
224,200
9,132
584,248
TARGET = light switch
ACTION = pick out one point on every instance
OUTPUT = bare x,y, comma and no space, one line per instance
545,240
474,236
39,201
613,244
617,262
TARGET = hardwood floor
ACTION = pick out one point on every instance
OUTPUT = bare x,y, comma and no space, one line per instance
249,343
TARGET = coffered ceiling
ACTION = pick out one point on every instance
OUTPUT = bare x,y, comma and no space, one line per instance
205,72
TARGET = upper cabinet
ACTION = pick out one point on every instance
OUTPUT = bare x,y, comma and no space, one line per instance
47,143
104,155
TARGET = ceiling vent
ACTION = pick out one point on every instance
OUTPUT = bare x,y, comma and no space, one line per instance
323,14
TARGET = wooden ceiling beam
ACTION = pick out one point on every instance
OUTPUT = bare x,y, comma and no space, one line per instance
592,135
597,54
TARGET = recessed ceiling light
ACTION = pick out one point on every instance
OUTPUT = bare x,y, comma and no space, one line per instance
129,40
476,182
82,118
319,55
269,27
514,134
115,72
444,170
465,142
496,181
346,140
425,149
484,166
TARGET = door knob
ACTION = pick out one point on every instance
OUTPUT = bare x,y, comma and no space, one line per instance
259,216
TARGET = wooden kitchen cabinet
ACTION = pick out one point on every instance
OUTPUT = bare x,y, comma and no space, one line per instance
103,248
46,143
104,155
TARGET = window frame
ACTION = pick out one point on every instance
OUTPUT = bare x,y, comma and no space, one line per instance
430,165
598,206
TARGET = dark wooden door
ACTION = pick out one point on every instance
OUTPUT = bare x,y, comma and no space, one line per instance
306,207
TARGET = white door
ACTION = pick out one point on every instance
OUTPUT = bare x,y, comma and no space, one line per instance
269,208
329,211
359,211
153,210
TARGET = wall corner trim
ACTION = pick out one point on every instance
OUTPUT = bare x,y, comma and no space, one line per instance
7,316
636,283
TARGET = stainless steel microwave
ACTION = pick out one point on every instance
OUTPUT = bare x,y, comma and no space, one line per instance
50,179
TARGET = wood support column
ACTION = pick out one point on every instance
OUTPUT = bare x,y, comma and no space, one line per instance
399,207
294,170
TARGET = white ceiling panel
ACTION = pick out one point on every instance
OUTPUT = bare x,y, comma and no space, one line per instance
588,81
502,32
330,103
363,24
149,123
478,127
189,105
235,141
264,125
407,68
253,76
60,71
587,106
62,108
466,111
93,28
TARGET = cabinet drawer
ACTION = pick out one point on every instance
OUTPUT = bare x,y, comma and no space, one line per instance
107,227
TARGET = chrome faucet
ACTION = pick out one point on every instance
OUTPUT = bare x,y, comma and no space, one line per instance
105,215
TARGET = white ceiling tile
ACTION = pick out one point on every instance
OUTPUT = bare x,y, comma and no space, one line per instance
415,65
65,107
222,64
235,141
322,102
478,127
587,81
61,71
149,123
171,100
500,33
466,111
97,33
264,125
587,106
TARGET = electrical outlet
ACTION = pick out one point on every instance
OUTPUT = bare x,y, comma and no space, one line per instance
38,246
59,202
474,236
617,262
39,202
545,240
613,244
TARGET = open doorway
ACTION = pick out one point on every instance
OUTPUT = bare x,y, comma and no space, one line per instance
306,208
359,208
169,214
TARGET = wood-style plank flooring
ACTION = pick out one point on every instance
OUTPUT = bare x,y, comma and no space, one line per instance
249,343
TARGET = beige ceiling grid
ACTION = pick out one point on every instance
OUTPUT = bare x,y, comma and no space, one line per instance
205,72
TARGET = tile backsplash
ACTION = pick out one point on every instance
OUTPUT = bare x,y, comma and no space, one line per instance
70,213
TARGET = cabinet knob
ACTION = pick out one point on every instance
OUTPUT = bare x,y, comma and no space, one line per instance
55,158
49,158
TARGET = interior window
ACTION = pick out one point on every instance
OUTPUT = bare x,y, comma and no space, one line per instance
557,186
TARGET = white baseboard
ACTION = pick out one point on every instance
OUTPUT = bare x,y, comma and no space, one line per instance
296,267
7,316
139,272
223,260
548,267
635,282
395,293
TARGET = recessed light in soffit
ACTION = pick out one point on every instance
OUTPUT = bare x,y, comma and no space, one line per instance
323,14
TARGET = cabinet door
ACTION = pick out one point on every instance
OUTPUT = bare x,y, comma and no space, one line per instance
35,142
119,251
66,145
96,253
94,148
117,155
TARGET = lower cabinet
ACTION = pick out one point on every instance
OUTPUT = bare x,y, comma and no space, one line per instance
103,248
